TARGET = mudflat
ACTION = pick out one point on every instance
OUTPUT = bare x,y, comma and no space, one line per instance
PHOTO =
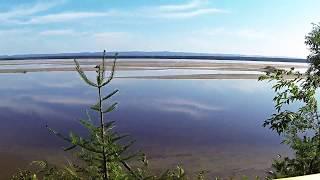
223,69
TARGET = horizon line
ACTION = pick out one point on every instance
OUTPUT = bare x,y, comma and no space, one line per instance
149,55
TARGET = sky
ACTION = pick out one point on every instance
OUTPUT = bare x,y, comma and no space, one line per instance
249,27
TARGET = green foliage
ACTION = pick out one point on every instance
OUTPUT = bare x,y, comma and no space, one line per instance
45,171
300,128
313,40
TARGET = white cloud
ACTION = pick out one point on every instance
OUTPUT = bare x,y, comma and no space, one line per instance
64,17
212,40
178,11
25,41
14,15
239,32
57,32
13,32
181,7
111,35
188,14
27,15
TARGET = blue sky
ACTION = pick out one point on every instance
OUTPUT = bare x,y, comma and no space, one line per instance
253,27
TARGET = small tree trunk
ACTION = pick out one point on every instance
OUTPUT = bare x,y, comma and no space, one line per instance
105,166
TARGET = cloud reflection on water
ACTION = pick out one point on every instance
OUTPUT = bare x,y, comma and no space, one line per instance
193,108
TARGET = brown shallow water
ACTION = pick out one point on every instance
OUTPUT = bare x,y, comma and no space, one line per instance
216,161
211,123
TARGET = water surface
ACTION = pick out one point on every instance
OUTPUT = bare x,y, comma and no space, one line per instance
213,125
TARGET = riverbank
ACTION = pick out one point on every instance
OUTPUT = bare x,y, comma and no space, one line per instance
207,69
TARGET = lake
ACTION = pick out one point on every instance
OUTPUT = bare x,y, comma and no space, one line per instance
201,124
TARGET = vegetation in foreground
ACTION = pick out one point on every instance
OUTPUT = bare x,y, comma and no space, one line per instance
297,113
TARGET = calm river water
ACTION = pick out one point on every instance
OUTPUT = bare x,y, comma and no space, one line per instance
213,125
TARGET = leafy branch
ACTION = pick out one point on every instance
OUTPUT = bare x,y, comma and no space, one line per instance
300,128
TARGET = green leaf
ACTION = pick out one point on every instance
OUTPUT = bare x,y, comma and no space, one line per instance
262,78
130,157
109,124
119,138
58,134
111,108
83,75
103,65
41,164
70,148
112,72
96,107
88,124
110,95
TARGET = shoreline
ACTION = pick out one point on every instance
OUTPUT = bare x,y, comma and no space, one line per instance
221,70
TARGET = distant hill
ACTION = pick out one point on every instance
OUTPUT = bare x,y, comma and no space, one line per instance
151,55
